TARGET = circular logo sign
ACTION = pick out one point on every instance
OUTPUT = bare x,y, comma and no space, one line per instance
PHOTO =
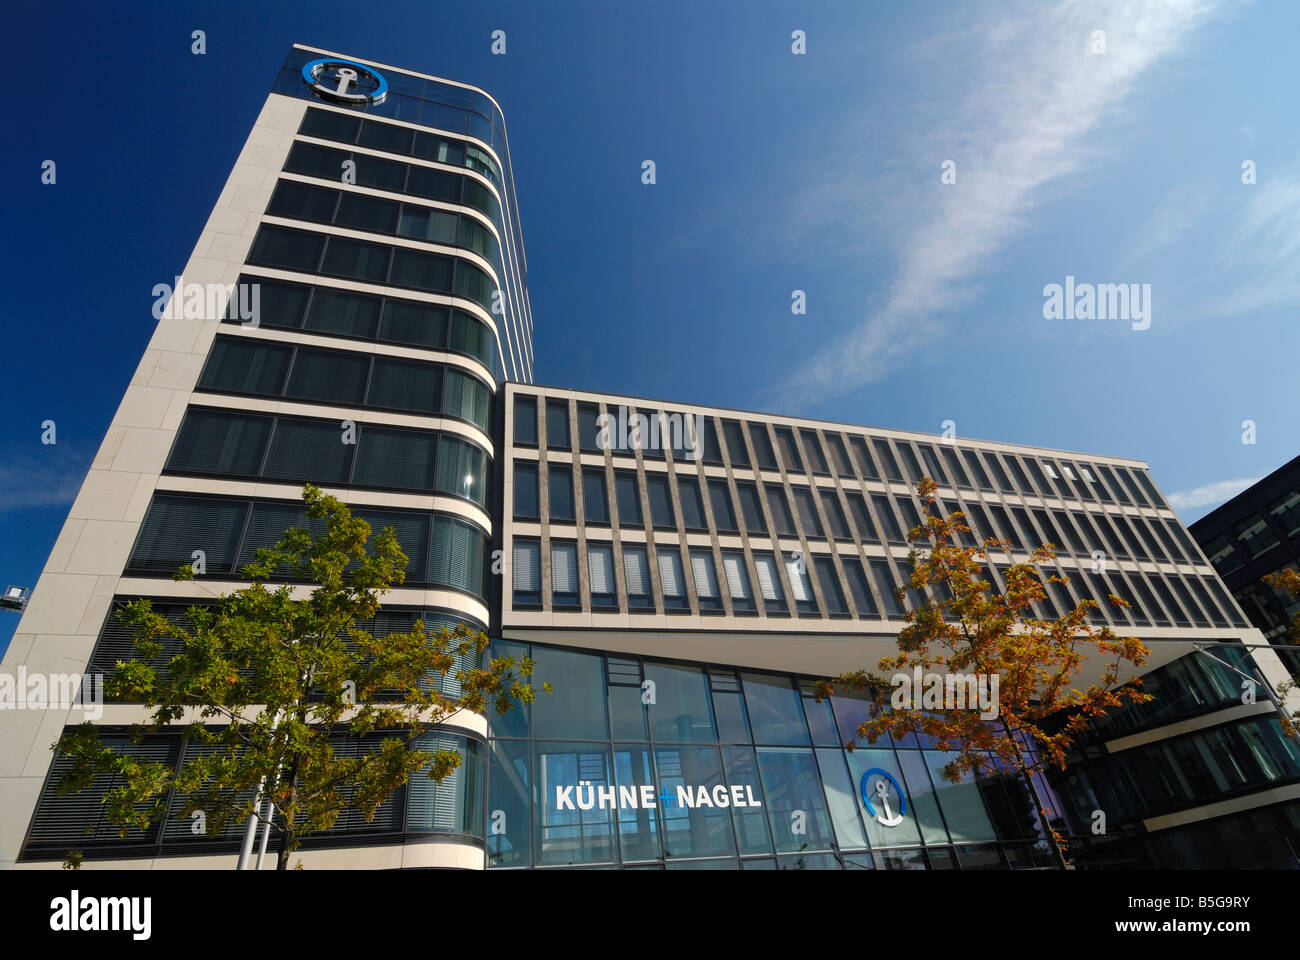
345,81
876,782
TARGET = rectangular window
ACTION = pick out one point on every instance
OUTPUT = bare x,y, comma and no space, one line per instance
750,508
863,455
1022,484
807,509
661,500
933,469
797,571
526,421
589,427
705,576
954,467
742,596
812,449
782,519
999,474
859,588
910,463
862,518
720,499
884,577
1285,511
763,451
600,567
887,461
564,574
343,314
839,455
526,499
595,499
977,470
636,573
629,499
560,480
688,491
736,449
769,584
712,448
789,451
835,516
557,424
1255,535
670,578
885,514
832,592
527,573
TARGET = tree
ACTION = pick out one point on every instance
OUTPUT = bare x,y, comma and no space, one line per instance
1287,580
960,625
266,676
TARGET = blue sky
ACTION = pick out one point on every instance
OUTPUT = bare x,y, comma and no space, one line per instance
776,172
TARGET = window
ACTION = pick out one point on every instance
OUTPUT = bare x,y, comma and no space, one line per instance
862,518
977,470
396,458
370,214
670,578
733,567
595,500
858,587
557,424
887,461
995,468
358,260
796,569
600,566
527,573
463,469
636,573
401,385
885,513
839,455
1285,511
526,498
763,451
954,467
932,466
560,480
564,574
750,508
712,448
589,427
736,449
832,592
769,584
705,576
526,421
285,249
835,516
812,448
803,502
782,519
245,366
688,492
886,585
214,441
661,502
629,499
910,463
863,456
344,314
1255,535
720,499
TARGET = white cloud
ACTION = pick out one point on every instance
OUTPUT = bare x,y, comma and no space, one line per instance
1210,493
1019,102
1177,213
47,479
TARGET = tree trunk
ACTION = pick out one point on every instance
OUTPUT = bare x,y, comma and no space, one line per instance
1039,809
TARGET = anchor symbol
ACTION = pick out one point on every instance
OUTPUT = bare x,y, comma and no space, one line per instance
888,818
345,76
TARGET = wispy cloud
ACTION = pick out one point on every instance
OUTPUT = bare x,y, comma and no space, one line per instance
1178,211
1035,101
49,478
1210,493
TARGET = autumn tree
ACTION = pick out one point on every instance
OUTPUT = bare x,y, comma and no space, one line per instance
1287,580
959,624
267,677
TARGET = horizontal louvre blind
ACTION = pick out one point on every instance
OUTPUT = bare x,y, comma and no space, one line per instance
670,573
215,441
177,526
769,584
412,530
564,568
706,580
309,450
798,578
600,560
267,526
636,570
441,807
181,828
528,573
733,566
462,469
395,458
